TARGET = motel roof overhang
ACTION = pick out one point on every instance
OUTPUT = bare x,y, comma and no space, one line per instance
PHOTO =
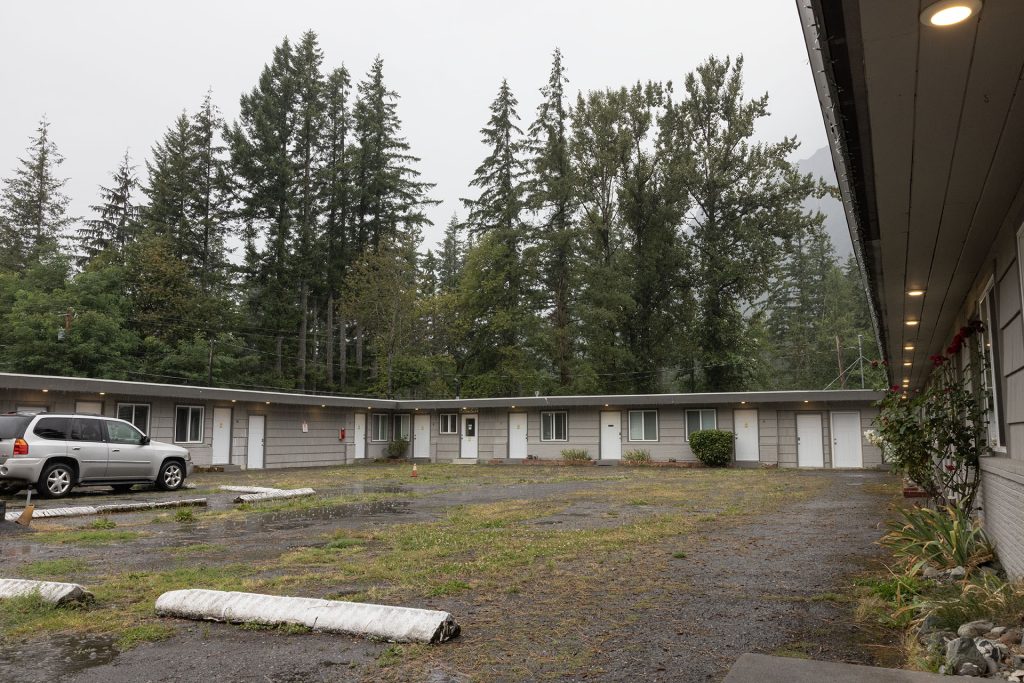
926,128
83,386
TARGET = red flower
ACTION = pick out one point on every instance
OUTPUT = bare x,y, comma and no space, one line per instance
894,389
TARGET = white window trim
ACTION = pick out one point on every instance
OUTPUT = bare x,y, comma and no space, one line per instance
553,430
699,411
991,381
202,422
399,417
149,413
453,423
374,417
643,426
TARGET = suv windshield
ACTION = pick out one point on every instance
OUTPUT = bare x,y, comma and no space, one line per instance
13,426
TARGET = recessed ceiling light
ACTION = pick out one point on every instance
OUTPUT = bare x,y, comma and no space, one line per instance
46,391
907,363
323,405
949,12
268,403
915,292
806,401
908,347
103,393
234,400
906,381
911,323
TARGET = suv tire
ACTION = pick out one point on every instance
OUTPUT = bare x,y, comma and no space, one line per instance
56,480
171,477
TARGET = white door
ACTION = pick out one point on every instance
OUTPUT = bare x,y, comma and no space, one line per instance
359,436
89,407
421,437
611,435
747,441
221,436
254,449
517,441
810,452
846,447
470,447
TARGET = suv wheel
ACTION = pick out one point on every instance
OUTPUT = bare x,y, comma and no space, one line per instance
56,481
171,477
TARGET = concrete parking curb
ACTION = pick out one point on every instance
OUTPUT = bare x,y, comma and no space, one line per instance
82,510
274,494
396,624
50,591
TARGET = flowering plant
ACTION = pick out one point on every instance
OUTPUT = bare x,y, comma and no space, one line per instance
936,436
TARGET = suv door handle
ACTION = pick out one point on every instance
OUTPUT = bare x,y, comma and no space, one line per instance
115,450
76,448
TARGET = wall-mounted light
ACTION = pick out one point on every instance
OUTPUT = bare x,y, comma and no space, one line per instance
949,12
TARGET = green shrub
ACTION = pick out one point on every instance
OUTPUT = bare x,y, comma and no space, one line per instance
713,447
397,448
636,456
986,596
947,537
184,515
102,523
575,455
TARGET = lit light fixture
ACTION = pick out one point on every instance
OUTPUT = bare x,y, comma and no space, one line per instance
915,292
906,381
268,403
605,405
233,400
513,406
908,347
103,393
323,405
806,401
907,363
46,391
949,12
743,403
911,323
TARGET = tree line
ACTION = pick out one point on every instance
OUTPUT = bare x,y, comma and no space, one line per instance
632,239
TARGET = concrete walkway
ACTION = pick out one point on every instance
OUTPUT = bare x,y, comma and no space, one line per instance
751,668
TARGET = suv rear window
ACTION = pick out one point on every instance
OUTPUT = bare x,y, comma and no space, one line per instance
13,426
53,428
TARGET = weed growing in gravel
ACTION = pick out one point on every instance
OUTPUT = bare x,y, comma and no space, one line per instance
285,629
680,555
146,633
87,537
102,523
449,588
184,515
50,569
391,655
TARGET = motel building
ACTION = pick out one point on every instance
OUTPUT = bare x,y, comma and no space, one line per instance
923,103
266,429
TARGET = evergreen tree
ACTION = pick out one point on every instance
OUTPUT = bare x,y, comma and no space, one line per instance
116,223
210,201
496,285
451,256
747,210
33,206
551,195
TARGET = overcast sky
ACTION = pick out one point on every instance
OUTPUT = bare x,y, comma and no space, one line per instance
113,75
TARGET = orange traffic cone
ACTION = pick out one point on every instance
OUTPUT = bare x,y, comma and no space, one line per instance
414,472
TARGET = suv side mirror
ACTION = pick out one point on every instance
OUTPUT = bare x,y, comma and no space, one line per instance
144,440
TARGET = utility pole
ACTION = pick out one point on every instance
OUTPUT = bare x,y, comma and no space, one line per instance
860,357
839,362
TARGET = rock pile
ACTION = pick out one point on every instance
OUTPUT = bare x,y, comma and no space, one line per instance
979,648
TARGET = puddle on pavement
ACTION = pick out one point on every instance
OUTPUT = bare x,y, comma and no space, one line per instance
58,656
376,488
10,550
297,519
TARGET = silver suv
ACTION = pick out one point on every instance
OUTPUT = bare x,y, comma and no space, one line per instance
57,451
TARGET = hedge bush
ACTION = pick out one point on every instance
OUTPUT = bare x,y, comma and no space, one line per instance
397,448
575,455
637,456
713,447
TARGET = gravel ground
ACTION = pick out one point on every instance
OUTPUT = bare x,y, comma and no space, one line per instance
746,584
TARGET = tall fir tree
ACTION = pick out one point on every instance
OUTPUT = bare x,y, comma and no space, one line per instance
551,195
33,206
747,210
498,288
117,217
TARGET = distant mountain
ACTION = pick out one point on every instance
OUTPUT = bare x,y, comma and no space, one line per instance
820,165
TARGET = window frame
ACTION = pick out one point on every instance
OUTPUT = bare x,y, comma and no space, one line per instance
452,419
188,424
554,426
67,432
643,425
700,412
989,350
375,419
149,415
106,431
398,419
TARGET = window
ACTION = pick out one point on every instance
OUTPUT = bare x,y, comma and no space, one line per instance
402,427
449,423
379,427
988,377
188,424
643,425
696,420
554,426
57,428
84,429
31,410
136,413
119,432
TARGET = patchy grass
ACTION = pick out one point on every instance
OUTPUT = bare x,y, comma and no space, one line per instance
88,537
197,549
146,633
284,629
54,569
184,515
102,523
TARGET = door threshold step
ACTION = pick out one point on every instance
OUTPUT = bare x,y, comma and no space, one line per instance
464,461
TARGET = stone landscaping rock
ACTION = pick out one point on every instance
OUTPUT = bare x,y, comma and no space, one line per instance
1012,636
931,572
956,573
963,658
937,639
1017,676
995,633
973,629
